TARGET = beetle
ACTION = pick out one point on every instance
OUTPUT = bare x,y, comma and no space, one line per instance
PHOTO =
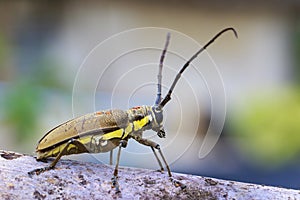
103,131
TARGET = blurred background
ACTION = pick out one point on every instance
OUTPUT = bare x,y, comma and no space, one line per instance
43,45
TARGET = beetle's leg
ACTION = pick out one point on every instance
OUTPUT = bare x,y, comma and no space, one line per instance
160,165
157,146
77,143
111,157
115,183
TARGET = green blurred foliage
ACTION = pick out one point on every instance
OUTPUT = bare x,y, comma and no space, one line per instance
24,98
269,128
22,105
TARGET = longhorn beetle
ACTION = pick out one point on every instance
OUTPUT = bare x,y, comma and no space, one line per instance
103,131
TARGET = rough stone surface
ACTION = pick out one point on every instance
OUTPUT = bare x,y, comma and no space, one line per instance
78,180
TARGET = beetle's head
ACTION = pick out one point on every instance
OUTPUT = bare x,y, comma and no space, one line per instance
157,123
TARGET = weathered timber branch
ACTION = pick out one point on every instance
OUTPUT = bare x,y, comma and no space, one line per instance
78,180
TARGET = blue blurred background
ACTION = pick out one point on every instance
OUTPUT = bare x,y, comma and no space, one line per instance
43,44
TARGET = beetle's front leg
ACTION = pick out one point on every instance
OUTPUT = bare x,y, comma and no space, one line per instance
157,146
115,184
160,165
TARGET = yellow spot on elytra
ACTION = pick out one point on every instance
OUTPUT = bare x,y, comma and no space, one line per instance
115,134
128,130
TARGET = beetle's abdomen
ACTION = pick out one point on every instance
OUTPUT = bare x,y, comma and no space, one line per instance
89,146
97,123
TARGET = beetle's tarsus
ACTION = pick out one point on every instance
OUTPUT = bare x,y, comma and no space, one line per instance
177,183
115,184
39,170
160,170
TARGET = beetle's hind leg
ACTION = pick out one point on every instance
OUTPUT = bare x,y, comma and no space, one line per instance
76,143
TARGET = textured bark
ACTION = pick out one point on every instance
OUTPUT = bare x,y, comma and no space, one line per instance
78,180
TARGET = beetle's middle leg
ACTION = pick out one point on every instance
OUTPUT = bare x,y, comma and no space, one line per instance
115,184
74,142
111,157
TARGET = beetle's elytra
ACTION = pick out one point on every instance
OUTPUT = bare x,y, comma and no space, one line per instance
103,131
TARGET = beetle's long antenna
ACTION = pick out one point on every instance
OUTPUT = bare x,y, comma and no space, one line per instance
168,96
159,76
